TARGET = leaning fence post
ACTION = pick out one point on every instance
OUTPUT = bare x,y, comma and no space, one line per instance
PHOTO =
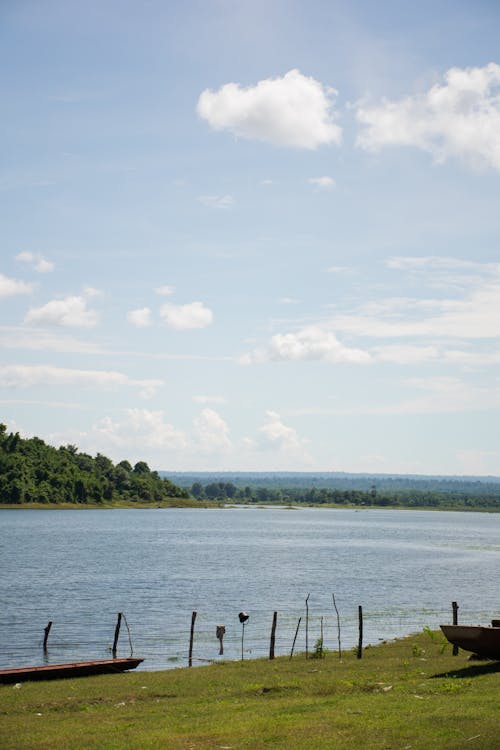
273,636
360,625
295,638
338,626
307,626
117,633
46,636
454,606
191,639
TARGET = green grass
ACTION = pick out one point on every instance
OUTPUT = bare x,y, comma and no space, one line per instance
169,502
405,694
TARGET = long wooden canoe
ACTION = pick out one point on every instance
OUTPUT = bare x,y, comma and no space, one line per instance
74,669
483,641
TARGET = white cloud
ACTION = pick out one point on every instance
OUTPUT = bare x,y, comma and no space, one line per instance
67,312
211,431
294,110
324,183
26,376
209,399
140,429
277,435
165,290
459,118
186,317
38,340
37,261
310,343
405,355
91,291
10,287
475,315
439,263
444,395
140,318
217,201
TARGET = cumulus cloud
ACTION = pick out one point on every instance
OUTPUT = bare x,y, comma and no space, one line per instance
217,201
294,110
211,431
26,376
310,343
186,317
323,183
458,118
140,429
11,287
277,435
37,261
67,312
140,318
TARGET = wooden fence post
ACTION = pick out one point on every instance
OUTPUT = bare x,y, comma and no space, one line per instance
117,633
191,639
338,626
307,626
454,607
360,625
273,636
46,630
219,633
295,638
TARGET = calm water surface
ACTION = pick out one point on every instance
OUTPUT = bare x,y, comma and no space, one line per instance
79,568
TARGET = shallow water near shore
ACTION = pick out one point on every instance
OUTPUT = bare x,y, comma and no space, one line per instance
80,568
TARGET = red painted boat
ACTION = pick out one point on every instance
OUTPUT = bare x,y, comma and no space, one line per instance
74,669
483,641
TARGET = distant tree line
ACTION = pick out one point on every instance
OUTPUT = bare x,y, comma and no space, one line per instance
410,498
33,472
385,483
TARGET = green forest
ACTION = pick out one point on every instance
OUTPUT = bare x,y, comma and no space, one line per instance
456,499
33,472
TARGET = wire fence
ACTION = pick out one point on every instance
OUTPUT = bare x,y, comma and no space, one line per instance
164,643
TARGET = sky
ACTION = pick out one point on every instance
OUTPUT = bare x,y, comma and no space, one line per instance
254,236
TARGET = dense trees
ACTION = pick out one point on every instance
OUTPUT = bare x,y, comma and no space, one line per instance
409,498
33,472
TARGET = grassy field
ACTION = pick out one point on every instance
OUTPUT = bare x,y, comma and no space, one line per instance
405,695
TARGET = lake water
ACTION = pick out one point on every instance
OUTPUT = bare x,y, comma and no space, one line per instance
79,568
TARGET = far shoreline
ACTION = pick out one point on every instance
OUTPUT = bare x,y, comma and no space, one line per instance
192,504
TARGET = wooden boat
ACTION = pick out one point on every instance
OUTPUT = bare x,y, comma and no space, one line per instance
481,640
74,669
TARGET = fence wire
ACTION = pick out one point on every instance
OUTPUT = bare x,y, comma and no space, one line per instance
164,644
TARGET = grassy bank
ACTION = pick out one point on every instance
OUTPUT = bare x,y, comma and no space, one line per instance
406,694
174,502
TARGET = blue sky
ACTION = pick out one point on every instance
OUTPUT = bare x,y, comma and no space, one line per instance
253,236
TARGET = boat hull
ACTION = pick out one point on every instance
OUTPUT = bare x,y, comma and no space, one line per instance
484,641
74,669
